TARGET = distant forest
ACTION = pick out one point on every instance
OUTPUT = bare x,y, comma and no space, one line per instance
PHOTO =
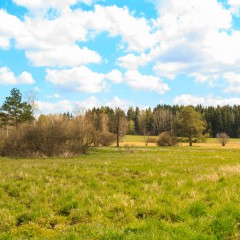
164,118
147,122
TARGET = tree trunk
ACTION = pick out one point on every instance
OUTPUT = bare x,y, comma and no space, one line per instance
117,138
190,140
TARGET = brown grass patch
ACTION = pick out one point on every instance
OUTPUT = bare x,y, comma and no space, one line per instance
229,145
230,169
213,177
139,144
213,145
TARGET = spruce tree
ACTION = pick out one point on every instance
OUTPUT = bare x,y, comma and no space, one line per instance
14,111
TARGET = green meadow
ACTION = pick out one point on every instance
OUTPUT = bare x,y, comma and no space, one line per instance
110,193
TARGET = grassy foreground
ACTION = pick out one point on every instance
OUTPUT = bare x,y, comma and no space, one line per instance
154,193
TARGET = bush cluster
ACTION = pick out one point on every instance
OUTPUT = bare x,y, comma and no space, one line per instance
48,137
151,140
167,139
107,138
223,138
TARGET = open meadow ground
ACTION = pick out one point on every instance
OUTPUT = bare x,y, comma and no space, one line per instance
152,193
138,141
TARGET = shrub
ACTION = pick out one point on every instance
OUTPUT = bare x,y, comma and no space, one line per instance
151,140
167,139
80,135
96,141
223,138
107,138
50,136
35,141
3,135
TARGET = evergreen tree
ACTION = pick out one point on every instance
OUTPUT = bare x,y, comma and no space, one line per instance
149,121
136,121
14,111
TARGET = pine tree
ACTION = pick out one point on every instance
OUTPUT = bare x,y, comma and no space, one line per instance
14,111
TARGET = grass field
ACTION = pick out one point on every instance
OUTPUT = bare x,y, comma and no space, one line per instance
210,142
154,193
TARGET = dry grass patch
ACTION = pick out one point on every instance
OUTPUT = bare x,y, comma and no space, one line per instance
212,145
212,177
230,169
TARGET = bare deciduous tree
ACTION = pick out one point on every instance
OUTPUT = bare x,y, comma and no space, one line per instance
142,126
104,122
162,120
119,124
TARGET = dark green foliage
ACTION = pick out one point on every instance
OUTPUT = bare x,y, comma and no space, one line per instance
25,218
197,209
224,227
14,111
165,118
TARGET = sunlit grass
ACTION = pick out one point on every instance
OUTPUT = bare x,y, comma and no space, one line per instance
137,138
138,141
133,138
154,193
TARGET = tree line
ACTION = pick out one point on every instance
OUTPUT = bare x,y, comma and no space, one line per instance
23,134
153,121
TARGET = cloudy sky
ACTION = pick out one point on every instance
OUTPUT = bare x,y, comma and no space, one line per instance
83,53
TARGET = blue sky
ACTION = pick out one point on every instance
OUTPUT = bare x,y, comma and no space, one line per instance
76,54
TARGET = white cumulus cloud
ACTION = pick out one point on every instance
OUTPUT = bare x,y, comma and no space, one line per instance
44,40
233,82
63,56
115,76
117,102
188,99
136,32
37,5
10,28
54,107
195,38
145,82
235,6
79,79
65,105
79,107
7,77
